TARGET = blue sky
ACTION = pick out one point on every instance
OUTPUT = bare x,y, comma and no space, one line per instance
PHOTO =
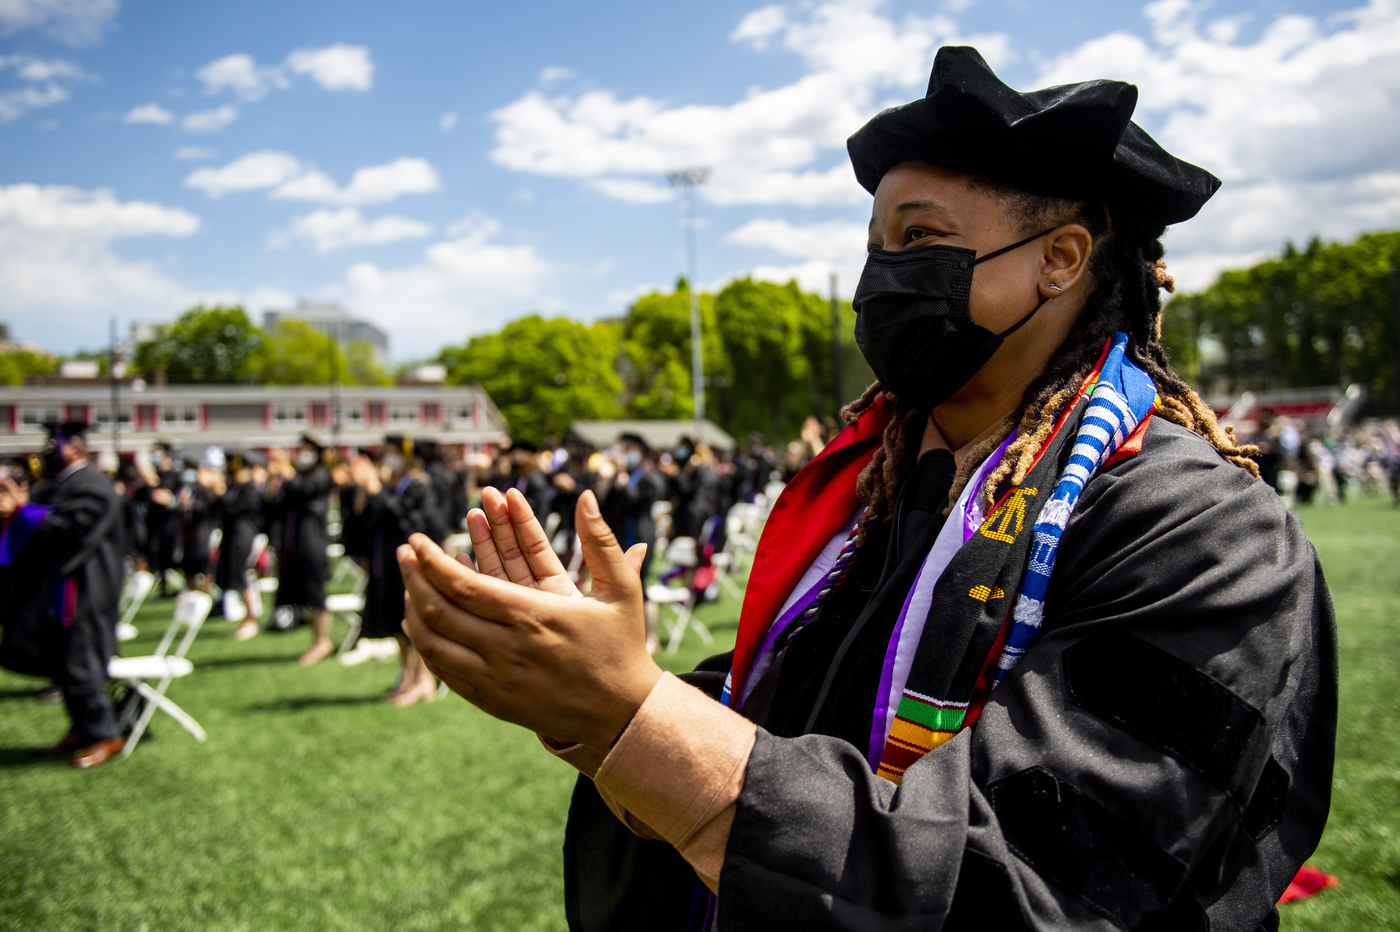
444,167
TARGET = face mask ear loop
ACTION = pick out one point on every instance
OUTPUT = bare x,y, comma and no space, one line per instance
1004,249
1020,323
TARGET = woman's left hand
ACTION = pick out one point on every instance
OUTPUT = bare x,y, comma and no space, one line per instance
574,669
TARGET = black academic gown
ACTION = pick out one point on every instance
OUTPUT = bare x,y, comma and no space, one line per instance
64,587
197,516
1161,757
390,517
297,529
238,512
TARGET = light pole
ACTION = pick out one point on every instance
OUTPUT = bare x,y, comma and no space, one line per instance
112,360
687,180
836,352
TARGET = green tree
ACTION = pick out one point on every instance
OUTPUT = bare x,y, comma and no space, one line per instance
1322,315
656,354
205,344
767,355
362,366
295,353
16,364
542,374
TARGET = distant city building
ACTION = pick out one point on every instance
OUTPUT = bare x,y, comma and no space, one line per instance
250,417
335,322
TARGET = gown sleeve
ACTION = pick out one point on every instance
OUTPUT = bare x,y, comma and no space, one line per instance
1161,758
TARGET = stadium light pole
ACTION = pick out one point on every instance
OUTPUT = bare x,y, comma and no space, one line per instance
687,181
836,351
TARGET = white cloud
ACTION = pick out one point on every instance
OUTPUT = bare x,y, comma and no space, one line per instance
150,113
633,190
38,71
338,67
15,104
372,184
768,148
329,230
828,246
463,285
41,69
72,22
242,75
291,180
191,153
759,26
58,273
251,172
553,74
1302,124
210,121
61,209
447,121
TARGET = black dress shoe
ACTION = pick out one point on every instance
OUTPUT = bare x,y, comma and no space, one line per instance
69,742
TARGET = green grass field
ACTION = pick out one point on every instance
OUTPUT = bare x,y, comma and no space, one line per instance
314,805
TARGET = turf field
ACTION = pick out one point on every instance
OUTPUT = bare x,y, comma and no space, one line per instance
314,805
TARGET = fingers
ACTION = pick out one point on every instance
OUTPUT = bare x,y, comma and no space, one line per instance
488,559
614,578
448,618
437,576
517,568
444,656
529,535
634,556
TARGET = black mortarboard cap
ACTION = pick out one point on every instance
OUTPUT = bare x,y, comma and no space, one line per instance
1075,141
68,430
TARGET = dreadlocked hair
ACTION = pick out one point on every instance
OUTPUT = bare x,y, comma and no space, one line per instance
1127,273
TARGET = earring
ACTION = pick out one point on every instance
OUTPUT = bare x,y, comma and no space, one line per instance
1055,287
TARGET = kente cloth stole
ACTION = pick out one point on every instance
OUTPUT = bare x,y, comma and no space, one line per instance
987,606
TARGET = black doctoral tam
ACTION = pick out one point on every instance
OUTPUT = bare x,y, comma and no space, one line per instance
1075,141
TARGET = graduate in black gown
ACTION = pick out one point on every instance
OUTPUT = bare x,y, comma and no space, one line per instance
239,513
159,498
398,500
1029,645
60,581
296,529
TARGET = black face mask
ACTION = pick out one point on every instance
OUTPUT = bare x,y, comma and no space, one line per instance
913,323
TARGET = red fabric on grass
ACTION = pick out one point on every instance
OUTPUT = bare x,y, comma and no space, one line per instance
1309,882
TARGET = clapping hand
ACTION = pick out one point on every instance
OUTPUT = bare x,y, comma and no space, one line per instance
13,496
516,638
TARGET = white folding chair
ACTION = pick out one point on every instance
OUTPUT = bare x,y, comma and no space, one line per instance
349,605
191,608
138,585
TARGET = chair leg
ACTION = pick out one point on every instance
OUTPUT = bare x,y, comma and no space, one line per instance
355,622
173,710
728,585
678,630
139,728
704,632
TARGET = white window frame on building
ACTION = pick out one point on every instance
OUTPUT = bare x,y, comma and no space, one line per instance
289,414
32,418
179,416
404,415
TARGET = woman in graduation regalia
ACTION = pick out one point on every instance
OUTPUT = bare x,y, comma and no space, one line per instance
398,500
1028,646
296,527
239,511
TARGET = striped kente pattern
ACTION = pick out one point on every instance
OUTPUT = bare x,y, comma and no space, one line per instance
921,724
